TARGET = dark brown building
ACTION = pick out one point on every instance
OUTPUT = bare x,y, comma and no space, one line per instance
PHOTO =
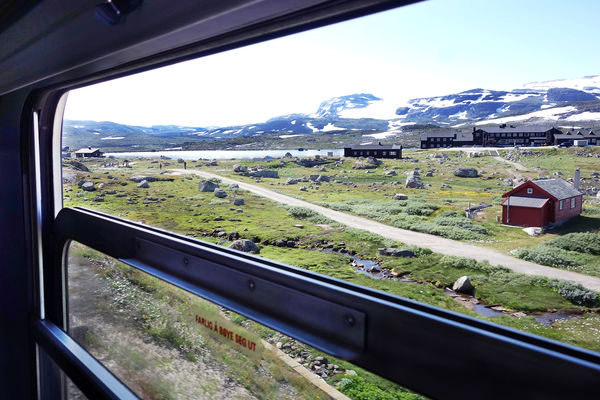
374,150
510,135
433,140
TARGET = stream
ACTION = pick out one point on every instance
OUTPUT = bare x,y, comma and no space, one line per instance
371,269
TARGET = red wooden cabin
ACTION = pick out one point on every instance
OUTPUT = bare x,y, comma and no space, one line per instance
541,203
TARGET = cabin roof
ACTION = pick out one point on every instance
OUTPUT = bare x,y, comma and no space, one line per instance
87,150
558,188
524,201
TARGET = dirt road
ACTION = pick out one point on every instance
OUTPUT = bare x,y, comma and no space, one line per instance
435,243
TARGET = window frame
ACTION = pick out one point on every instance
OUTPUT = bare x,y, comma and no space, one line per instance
433,339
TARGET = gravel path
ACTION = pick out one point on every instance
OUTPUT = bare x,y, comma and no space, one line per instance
435,243
519,167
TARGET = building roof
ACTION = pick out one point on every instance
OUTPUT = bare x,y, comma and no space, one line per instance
447,134
524,201
86,151
374,147
464,137
516,129
558,188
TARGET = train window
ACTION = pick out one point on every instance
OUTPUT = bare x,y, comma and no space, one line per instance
164,342
205,194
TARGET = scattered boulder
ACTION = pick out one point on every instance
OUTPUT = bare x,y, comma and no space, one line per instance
234,186
291,181
466,173
390,173
238,202
287,155
88,186
533,231
400,196
143,184
76,165
220,193
239,168
264,173
396,252
413,180
207,186
245,245
463,285
303,188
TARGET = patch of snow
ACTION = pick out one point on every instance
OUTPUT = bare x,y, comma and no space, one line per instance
584,116
330,127
376,109
293,122
289,136
550,113
311,127
366,143
577,83
113,138
460,115
509,97
174,148
381,135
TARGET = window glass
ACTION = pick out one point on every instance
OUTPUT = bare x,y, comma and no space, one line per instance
165,343
245,149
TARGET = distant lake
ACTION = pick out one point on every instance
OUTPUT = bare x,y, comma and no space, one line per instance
225,154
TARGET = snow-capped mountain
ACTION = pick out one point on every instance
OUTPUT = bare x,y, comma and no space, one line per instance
481,104
558,102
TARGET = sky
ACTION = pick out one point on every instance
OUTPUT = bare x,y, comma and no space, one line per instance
427,49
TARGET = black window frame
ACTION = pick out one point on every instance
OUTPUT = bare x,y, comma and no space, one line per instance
422,347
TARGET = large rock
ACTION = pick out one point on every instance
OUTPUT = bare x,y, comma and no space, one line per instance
373,161
413,180
400,196
239,168
88,186
264,173
463,285
533,231
143,184
220,193
390,173
77,165
396,252
319,178
466,173
207,186
239,202
245,245
291,181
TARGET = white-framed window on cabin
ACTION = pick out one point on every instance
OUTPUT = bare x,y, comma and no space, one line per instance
573,202
560,205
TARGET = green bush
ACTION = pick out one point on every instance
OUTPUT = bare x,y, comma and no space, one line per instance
357,388
307,214
579,242
575,293
450,232
547,255
460,222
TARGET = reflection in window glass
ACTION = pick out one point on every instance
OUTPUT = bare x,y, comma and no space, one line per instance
165,343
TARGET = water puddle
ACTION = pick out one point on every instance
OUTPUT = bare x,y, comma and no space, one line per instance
548,318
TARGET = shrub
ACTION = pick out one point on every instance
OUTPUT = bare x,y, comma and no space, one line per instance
547,255
450,232
575,293
579,242
461,222
308,215
474,265
357,388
